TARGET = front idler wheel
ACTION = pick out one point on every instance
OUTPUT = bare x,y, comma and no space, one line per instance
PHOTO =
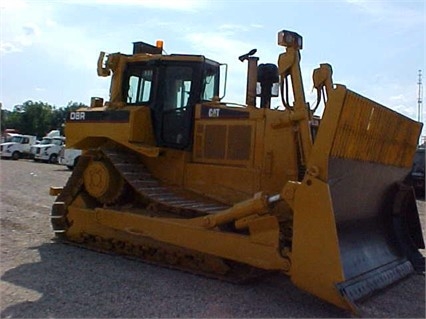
103,182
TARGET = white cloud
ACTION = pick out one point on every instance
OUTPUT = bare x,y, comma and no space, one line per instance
180,5
403,98
399,97
7,47
398,15
21,24
36,27
29,33
221,46
15,4
232,28
217,44
33,25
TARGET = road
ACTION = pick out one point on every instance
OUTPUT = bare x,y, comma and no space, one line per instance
41,278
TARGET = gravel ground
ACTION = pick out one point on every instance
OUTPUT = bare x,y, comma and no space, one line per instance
44,279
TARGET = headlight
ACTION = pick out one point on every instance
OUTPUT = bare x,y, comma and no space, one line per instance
290,39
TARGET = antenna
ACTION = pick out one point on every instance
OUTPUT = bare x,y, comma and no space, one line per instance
419,99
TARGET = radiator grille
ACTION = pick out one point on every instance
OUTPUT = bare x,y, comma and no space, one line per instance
223,142
215,141
239,142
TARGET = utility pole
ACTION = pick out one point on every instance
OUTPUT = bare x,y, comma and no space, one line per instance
419,99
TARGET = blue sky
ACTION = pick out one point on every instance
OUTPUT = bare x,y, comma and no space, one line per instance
49,49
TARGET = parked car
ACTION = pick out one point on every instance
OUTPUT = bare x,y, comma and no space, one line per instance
48,150
17,146
69,157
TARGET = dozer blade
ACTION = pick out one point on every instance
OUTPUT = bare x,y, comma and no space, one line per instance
356,226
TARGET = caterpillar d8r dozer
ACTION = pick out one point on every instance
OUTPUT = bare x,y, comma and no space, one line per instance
172,175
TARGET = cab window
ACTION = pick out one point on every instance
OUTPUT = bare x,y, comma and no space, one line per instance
139,85
178,81
210,83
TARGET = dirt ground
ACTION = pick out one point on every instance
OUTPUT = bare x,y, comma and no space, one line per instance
44,279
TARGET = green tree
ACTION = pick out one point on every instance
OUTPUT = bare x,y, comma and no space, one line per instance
37,118
59,116
4,120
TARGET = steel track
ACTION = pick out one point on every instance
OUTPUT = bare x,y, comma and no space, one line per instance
165,198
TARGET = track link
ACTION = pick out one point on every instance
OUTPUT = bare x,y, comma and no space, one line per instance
174,257
73,186
167,198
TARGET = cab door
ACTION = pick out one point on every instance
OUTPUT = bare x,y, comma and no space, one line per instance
179,92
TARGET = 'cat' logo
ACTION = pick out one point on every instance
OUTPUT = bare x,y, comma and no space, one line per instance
214,112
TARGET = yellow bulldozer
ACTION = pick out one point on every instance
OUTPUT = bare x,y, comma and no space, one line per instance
175,176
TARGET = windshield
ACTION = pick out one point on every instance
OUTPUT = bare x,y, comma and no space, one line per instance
16,139
46,141
57,141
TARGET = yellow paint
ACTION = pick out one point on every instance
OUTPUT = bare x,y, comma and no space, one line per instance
231,160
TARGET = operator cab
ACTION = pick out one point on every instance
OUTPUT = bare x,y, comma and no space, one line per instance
171,86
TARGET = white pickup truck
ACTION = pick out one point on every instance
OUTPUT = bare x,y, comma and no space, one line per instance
48,150
17,146
69,157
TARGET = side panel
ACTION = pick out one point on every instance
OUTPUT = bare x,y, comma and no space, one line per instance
224,183
130,127
141,130
240,151
169,167
85,129
224,153
279,155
